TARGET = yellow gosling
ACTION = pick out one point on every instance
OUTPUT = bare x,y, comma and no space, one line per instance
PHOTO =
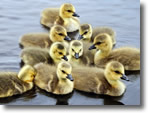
65,16
57,80
54,55
99,81
76,56
87,33
12,83
129,57
44,40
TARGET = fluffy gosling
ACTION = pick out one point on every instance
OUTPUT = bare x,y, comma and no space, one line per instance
57,80
32,56
12,83
129,57
87,33
44,40
99,81
76,56
65,16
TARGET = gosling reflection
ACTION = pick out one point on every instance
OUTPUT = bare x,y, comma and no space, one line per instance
107,100
25,97
112,102
60,99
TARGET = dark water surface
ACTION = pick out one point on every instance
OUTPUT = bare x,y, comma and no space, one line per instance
18,17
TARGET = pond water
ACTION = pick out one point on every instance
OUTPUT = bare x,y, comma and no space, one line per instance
18,17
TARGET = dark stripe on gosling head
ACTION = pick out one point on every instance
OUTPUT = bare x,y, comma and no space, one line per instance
60,46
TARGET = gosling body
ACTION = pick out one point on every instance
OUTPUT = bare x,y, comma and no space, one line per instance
12,83
54,55
100,81
56,80
44,40
128,56
64,16
87,33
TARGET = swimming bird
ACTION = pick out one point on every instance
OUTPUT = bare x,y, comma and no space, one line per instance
100,81
88,33
65,16
57,80
76,56
128,56
54,55
13,83
44,40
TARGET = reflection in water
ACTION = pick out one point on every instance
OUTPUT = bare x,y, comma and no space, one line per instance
25,97
112,102
132,72
108,100
61,99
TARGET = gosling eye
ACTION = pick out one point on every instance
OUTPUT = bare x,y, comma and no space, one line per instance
117,72
85,33
73,50
69,11
60,34
60,53
63,71
80,50
98,43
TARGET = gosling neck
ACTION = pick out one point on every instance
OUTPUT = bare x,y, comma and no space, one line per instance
113,83
117,84
51,36
90,34
88,38
30,85
62,80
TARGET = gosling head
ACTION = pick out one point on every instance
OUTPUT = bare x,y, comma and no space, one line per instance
27,74
68,11
115,71
85,32
58,34
58,51
64,71
102,41
76,49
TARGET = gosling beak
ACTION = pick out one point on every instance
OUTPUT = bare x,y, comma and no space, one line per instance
80,37
92,47
67,38
124,77
69,76
65,58
75,14
76,55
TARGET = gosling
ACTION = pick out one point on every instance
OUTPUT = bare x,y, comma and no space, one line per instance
12,83
100,81
129,57
54,55
44,40
87,33
76,56
65,16
57,81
